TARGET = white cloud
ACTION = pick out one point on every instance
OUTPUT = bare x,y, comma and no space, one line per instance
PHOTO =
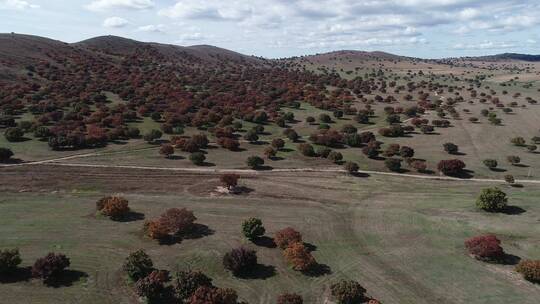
115,22
155,28
485,45
16,4
102,5
208,9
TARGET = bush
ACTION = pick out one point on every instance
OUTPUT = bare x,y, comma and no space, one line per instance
351,167
393,164
325,118
9,260
291,134
492,199
187,282
212,295
485,247
5,154
178,221
254,162
530,269
278,143
490,163
531,148
229,180
152,136
270,152
197,158
14,134
152,286
371,150
253,228
419,166
323,152
113,206
240,260
156,230
335,156
138,265
451,166
299,257
285,237
518,141
349,129
450,148
348,292
306,149
509,179
406,152
50,267
166,150
289,298
513,159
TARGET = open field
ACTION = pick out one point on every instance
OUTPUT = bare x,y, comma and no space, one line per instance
401,239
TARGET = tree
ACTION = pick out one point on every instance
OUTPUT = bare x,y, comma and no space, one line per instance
187,282
50,267
240,260
253,228
251,136
113,206
351,167
9,260
138,265
283,238
197,158
278,143
152,136
291,134
310,119
156,229
323,152
42,132
229,180
299,257
490,163
269,152
406,152
450,148
212,295
492,200
530,269
14,134
306,149
254,162
178,221
166,150
349,129
513,159
393,119
509,179
152,286
518,141
325,118
485,247
5,154
371,150
451,166
393,164
289,298
531,148
335,156
348,292
419,165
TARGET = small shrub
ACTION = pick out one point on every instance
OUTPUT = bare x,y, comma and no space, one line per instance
14,134
492,199
197,158
299,257
513,159
240,260
450,148
451,166
167,150
229,180
5,154
393,164
50,267
289,298
212,295
335,156
152,286
509,179
253,228
138,265
178,221
485,247
351,167
9,260
285,237
254,162
187,282
306,149
113,206
518,141
348,292
530,269
490,163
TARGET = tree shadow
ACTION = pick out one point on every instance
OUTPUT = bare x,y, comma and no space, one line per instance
263,168
510,259
131,216
175,157
318,270
241,190
498,170
66,278
264,241
360,174
207,164
517,185
459,153
310,247
276,158
12,161
198,231
513,210
17,275
286,150
521,165
259,272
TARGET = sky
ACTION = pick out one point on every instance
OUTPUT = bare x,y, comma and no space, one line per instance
284,28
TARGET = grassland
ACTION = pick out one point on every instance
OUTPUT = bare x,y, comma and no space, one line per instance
401,239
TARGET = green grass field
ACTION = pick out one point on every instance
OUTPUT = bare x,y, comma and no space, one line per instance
401,239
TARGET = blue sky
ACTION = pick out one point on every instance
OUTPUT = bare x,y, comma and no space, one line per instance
282,28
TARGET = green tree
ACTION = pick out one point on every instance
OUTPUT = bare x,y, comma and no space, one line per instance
253,228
